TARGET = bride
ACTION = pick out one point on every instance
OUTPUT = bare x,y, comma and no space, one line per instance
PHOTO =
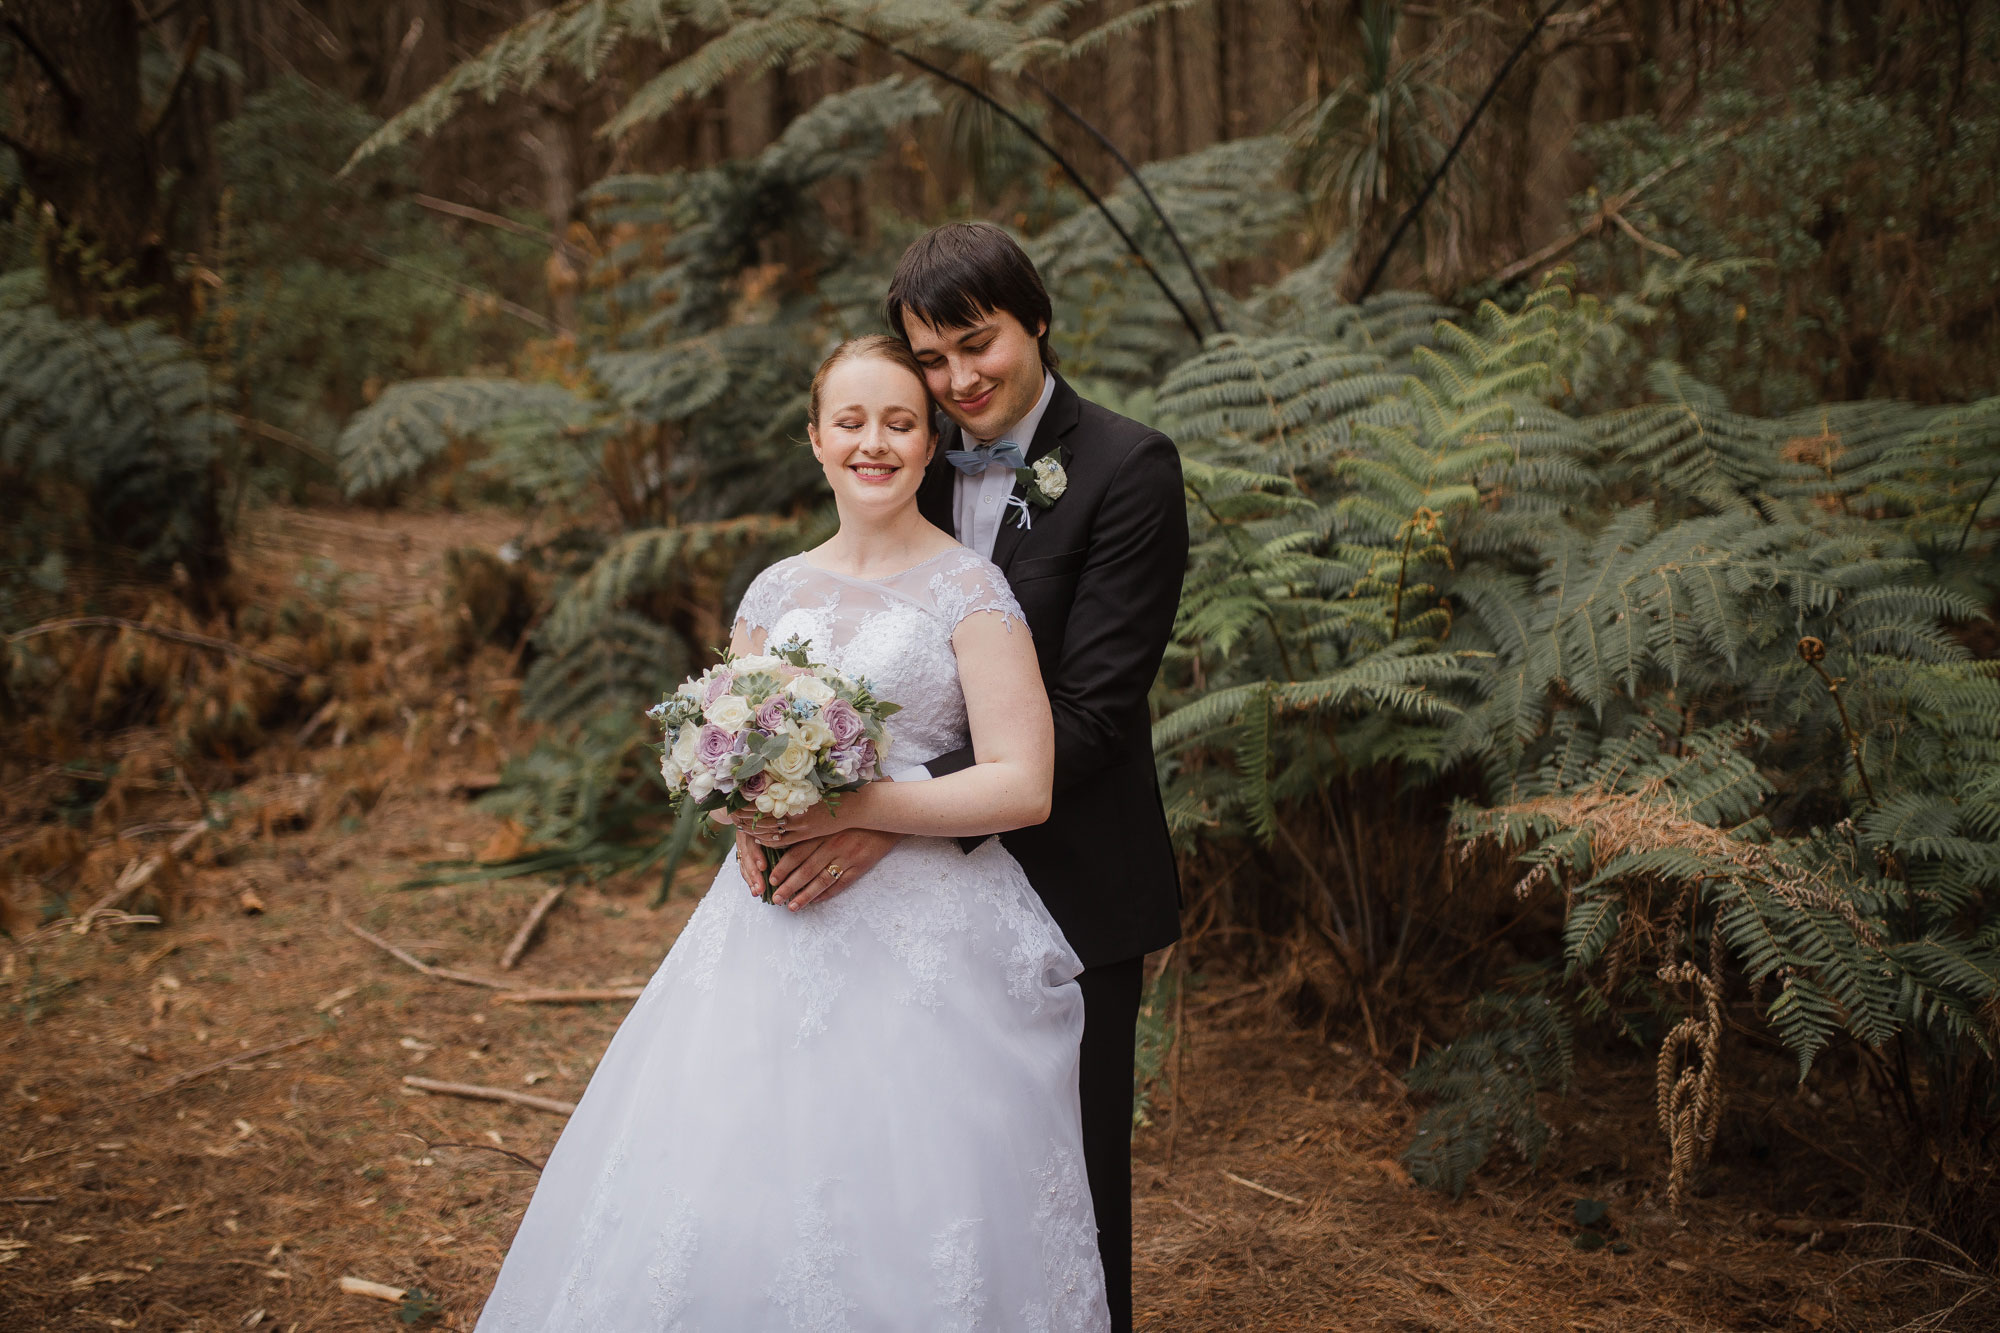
858,1113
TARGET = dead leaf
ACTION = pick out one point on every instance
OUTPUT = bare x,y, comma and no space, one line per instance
507,842
251,905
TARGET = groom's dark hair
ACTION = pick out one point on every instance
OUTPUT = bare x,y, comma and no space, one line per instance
953,275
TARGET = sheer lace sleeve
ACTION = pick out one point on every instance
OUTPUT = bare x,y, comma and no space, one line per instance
768,597
968,584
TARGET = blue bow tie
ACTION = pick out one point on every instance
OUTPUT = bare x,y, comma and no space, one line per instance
972,462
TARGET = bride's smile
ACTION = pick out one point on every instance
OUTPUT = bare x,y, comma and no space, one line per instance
872,436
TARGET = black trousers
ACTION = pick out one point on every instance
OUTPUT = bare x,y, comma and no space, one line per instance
1110,1019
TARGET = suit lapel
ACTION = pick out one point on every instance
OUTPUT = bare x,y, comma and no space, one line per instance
1065,409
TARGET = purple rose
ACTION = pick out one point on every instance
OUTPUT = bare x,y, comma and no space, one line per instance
771,715
841,719
852,762
754,785
713,745
718,686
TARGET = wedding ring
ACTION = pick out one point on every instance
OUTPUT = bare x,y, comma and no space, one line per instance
833,873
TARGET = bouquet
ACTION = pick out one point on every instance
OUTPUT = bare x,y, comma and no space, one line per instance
775,733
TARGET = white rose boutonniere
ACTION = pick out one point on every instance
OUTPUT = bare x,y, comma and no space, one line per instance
1045,481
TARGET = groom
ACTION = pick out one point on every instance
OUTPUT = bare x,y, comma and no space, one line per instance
1094,548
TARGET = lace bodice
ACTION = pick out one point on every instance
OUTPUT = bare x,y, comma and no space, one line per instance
894,633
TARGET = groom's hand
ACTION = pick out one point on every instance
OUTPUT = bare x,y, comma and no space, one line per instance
805,875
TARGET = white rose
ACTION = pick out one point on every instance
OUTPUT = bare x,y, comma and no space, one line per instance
795,763
701,783
812,733
730,712
755,662
684,744
1049,475
672,771
811,689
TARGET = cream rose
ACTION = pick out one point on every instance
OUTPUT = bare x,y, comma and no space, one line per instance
795,764
730,712
811,689
684,743
812,733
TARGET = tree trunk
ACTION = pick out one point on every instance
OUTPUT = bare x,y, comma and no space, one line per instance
86,147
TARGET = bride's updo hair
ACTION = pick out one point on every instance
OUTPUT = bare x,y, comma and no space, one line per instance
874,344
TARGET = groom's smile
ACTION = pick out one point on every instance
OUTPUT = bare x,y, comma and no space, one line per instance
986,375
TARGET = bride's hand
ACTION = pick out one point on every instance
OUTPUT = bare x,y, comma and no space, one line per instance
816,822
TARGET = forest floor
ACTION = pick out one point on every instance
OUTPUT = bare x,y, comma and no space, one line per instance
204,1125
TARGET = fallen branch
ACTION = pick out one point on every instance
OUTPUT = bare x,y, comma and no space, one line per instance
597,995
32,1198
410,960
526,933
138,875
161,632
182,1080
1612,212
279,435
479,1094
1263,1189
317,720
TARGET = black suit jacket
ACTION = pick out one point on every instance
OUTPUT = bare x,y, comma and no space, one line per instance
1099,576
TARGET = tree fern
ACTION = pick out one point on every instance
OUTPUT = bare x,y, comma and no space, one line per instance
1570,592
129,413
412,423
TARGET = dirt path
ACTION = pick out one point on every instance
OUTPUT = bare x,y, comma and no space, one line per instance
156,1172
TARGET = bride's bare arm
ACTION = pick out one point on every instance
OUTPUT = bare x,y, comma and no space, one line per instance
1013,743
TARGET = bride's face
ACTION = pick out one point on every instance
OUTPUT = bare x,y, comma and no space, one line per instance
873,436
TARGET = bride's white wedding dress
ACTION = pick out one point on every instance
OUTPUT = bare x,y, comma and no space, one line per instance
858,1116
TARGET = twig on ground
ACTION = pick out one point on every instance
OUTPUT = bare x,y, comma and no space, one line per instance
25,1158
32,1198
480,1094
526,933
410,960
317,720
139,874
381,1291
522,1158
1263,1189
1253,988
597,995
182,1080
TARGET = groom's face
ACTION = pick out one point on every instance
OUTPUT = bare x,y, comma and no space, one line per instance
986,375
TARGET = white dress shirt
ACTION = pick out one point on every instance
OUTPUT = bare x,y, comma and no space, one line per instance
979,504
